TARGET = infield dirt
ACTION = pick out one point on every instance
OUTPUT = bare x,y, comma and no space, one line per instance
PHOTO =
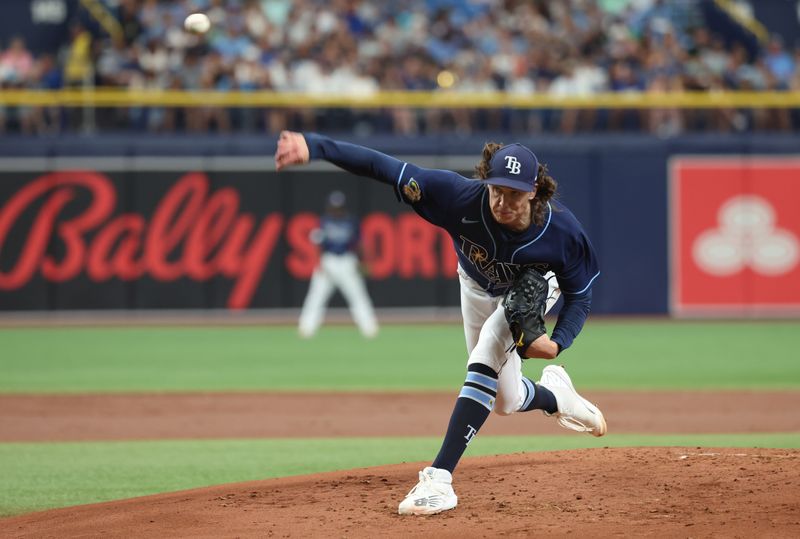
624,492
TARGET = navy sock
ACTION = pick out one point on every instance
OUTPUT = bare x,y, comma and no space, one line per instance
473,406
539,398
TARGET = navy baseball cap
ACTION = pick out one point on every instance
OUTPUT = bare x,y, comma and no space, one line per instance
514,166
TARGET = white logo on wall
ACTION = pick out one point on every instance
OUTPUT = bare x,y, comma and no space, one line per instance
48,11
747,236
512,164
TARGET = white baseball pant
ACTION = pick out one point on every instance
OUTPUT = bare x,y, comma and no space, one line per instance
488,338
342,272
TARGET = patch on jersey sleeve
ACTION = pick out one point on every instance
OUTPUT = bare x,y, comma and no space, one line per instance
412,191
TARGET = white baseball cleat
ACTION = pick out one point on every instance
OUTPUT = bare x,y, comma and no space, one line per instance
433,494
574,412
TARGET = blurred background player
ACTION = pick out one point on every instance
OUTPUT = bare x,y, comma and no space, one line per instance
338,237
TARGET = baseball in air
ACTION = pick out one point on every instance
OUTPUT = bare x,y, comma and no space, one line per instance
197,23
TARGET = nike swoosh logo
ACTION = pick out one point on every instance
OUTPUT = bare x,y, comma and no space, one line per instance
468,221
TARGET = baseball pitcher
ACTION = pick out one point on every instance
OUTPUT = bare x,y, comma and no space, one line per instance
518,251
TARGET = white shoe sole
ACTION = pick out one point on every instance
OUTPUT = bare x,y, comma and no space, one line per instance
562,374
424,511
603,427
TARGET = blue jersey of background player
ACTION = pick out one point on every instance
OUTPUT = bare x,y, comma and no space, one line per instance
501,223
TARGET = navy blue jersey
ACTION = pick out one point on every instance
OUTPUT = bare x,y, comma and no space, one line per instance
340,234
491,254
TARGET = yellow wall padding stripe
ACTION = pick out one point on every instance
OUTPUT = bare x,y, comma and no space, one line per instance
422,100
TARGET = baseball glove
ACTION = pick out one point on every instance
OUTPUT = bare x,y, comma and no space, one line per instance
524,306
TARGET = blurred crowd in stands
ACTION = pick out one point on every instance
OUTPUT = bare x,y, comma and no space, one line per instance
355,47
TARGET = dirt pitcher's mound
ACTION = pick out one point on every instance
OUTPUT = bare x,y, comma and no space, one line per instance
665,492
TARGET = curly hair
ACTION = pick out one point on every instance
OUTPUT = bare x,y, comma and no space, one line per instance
546,186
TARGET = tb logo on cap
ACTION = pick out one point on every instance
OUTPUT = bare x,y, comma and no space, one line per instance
513,165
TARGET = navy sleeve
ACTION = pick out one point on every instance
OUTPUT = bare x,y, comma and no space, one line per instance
430,192
353,158
571,318
581,268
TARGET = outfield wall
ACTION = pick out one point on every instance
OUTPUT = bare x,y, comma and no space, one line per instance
170,222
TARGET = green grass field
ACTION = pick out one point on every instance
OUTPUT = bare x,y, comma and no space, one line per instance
630,355
607,355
